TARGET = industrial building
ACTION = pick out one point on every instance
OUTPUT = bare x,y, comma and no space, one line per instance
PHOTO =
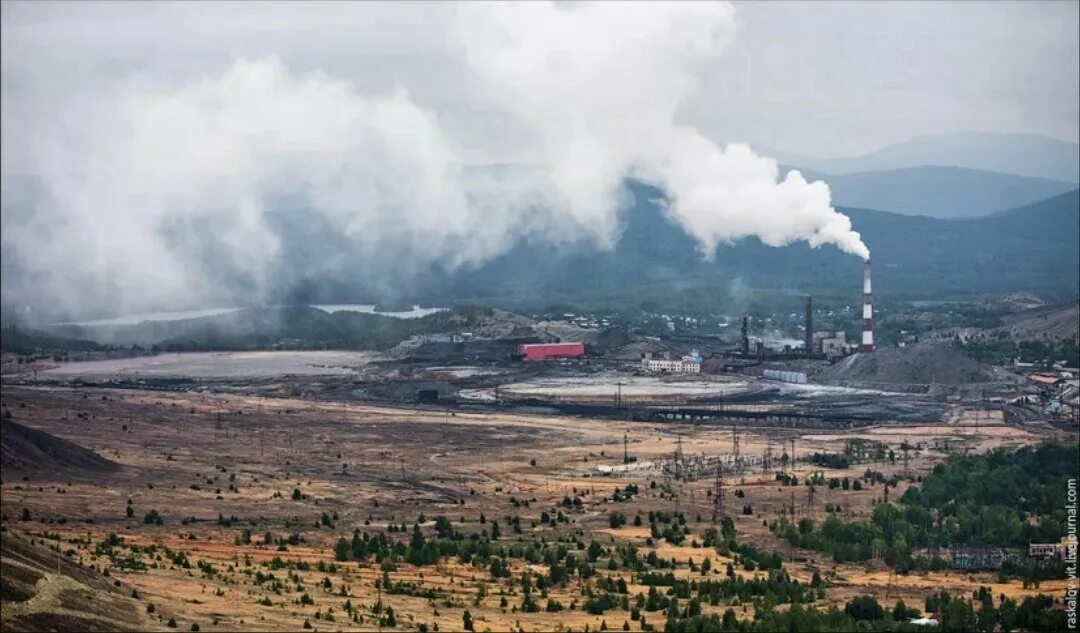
797,377
533,352
831,344
686,365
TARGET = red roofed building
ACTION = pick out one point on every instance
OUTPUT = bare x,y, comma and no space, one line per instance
551,351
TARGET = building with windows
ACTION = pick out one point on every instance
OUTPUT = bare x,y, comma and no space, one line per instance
666,365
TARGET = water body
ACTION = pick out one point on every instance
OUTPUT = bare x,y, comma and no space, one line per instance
219,365
180,315
415,313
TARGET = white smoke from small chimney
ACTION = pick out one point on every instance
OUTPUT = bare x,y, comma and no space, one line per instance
599,86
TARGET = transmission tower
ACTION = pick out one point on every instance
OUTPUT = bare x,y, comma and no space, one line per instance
735,444
718,495
810,501
766,459
678,455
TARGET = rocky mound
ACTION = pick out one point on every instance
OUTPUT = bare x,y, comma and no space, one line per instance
24,450
921,364
1048,322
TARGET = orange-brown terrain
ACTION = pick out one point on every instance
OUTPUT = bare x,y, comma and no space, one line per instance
221,512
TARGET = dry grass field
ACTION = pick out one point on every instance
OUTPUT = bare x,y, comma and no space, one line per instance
224,471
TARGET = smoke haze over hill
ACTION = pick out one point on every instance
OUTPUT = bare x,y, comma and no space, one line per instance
168,189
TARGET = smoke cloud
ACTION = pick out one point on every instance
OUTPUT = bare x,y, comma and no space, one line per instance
162,191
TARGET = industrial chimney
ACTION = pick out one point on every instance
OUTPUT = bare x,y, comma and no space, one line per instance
867,312
746,335
809,334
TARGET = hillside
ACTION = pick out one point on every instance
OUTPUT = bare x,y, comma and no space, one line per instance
1031,248
938,192
921,364
1059,321
25,450
656,265
297,327
42,591
24,341
1019,154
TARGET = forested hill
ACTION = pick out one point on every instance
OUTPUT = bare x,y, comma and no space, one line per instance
1034,248
937,191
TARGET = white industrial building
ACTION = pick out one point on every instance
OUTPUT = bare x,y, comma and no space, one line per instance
686,365
785,376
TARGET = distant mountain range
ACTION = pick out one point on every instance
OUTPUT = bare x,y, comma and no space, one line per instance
935,230
1033,248
656,266
937,191
1018,154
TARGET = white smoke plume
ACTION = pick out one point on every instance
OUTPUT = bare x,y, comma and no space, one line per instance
604,81
156,190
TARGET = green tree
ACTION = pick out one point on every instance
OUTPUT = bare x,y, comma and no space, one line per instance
864,608
957,617
342,549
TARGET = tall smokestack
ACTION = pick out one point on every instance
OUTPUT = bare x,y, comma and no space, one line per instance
745,335
867,312
809,336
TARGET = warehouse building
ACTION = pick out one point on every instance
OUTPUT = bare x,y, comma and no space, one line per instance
551,351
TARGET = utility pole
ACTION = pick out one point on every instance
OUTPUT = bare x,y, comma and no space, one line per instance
810,501
625,453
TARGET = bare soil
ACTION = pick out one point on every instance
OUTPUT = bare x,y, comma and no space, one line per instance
195,457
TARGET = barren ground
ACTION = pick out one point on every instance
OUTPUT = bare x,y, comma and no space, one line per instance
189,455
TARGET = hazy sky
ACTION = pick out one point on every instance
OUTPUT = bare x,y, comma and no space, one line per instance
835,78
827,79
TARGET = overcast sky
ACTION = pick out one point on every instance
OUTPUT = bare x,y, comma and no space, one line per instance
157,154
826,79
